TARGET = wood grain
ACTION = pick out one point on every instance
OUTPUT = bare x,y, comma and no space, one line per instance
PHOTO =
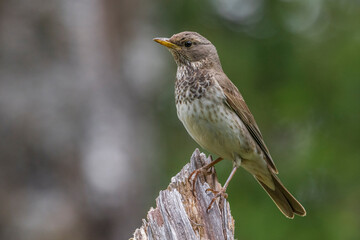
179,214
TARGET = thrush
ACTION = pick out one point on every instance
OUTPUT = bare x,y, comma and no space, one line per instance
216,116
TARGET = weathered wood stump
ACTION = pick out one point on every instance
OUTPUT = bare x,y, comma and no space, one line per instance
181,214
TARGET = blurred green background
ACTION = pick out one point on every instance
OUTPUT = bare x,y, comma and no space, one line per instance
88,128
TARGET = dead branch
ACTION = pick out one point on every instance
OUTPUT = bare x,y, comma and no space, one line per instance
180,214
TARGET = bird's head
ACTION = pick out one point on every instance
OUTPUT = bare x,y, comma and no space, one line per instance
189,48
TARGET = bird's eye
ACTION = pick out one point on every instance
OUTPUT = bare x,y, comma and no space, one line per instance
188,44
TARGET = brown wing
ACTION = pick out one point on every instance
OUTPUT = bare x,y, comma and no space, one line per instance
236,102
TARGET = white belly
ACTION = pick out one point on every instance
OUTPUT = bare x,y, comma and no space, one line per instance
219,130
215,127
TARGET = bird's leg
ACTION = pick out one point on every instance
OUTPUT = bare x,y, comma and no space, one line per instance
204,170
222,191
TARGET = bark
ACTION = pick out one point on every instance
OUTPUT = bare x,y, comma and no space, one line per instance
181,214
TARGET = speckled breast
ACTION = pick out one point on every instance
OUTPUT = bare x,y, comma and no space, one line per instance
209,121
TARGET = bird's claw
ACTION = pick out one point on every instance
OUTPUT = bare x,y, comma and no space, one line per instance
220,193
196,173
205,170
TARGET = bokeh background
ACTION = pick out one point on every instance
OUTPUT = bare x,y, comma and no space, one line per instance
88,127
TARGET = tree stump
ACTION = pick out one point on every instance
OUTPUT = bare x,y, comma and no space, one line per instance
181,214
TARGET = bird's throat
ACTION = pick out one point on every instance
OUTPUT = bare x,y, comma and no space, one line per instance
192,82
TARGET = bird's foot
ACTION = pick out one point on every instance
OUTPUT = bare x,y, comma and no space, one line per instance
220,193
203,170
193,176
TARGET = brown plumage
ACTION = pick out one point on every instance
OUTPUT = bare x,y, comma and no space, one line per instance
216,116
237,103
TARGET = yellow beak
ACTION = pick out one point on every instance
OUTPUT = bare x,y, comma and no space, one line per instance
166,43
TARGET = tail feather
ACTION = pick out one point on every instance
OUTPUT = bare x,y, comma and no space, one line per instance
283,199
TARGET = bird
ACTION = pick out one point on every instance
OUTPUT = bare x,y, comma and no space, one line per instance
215,115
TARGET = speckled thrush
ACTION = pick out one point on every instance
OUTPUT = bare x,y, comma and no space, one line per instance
216,116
